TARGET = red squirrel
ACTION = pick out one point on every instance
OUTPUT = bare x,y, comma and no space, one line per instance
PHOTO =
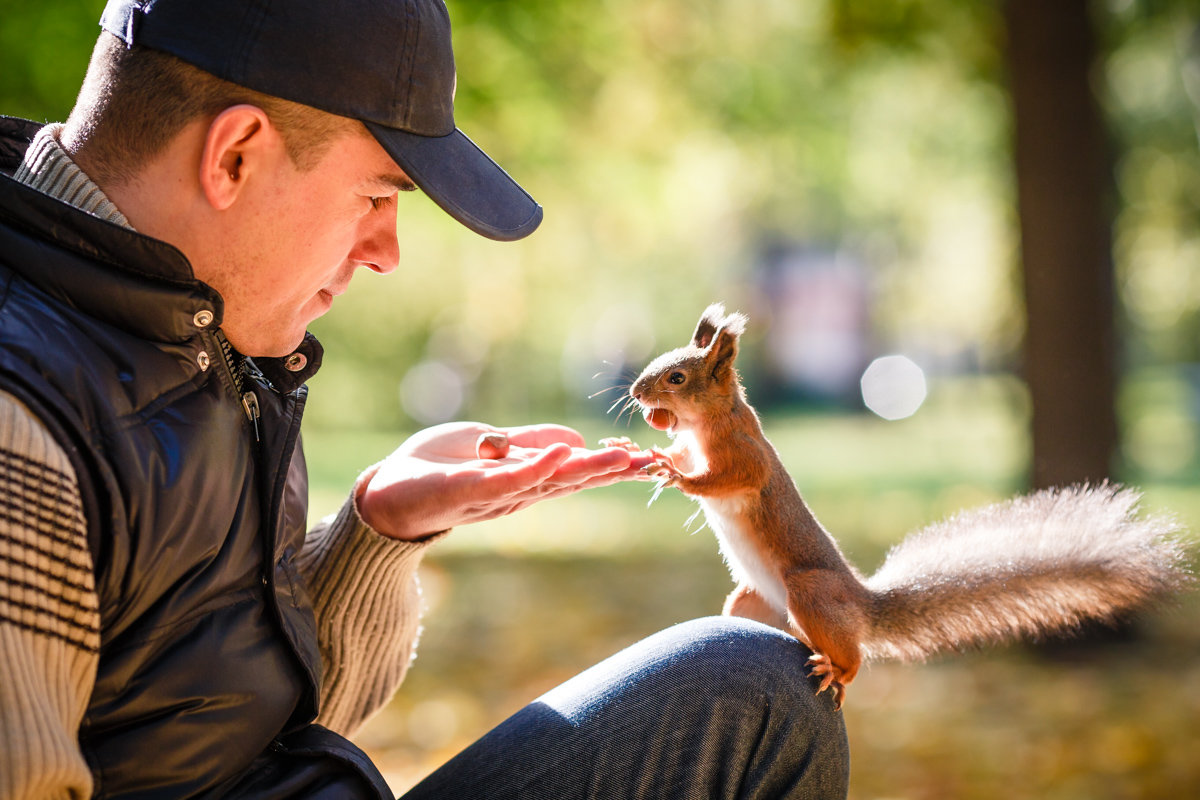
1034,565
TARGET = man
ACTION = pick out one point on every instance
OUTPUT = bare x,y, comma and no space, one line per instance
167,627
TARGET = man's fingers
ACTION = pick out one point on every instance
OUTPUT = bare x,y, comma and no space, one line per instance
587,464
558,470
513,479
544,435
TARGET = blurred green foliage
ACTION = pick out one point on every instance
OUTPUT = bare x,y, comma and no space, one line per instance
672,142
44,50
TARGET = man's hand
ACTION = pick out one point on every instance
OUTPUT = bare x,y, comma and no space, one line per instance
464,472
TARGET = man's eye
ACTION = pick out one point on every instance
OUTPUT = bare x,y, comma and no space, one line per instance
380,203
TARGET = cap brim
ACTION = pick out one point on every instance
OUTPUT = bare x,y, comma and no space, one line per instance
464,181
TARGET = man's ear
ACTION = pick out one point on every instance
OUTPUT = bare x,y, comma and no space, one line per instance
236,141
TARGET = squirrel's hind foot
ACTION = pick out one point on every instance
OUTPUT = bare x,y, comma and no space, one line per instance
830,677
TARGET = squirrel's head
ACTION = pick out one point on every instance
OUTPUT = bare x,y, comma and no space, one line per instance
687,384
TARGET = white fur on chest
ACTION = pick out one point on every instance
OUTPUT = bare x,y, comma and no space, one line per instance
725,516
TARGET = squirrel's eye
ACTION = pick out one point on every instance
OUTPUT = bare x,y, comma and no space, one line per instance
676,378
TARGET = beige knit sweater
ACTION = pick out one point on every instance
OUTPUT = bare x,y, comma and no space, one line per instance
363,585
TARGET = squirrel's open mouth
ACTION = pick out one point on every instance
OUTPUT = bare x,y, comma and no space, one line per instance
659,418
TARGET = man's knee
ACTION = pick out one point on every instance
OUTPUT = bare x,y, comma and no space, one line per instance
792,739
742,689
704,658
727,670
735,651
717,708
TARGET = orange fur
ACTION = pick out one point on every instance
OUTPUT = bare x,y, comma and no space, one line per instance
1035,565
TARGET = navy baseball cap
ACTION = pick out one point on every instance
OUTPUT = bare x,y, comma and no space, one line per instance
387,63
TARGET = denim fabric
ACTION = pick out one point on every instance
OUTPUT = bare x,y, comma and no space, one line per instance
714,708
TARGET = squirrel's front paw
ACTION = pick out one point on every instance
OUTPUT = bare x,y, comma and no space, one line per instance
830,676
623,442
665,473
662,457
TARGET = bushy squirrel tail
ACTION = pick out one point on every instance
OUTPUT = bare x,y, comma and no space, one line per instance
1035,565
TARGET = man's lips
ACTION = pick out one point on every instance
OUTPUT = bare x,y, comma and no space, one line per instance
329,292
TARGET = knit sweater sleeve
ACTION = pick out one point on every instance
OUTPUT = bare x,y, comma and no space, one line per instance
49,617
367,598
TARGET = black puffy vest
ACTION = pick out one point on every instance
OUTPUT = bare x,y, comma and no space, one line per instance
196,510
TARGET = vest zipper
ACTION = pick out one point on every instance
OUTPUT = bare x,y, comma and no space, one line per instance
233,365
235,369
250,404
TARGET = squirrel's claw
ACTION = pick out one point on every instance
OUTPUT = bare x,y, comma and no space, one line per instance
664,472
839,695
663,468
623,442
662,456
829,674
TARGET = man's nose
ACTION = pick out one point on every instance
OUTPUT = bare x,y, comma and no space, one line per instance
378,246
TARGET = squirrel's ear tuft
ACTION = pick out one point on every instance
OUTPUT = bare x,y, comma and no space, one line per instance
710,322
735,323
724,350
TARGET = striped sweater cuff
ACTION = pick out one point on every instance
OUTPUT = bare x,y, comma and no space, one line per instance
366,596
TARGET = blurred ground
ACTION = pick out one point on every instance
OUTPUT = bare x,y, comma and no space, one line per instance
518,605
1119,719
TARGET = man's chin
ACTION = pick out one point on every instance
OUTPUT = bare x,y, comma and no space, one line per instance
263,346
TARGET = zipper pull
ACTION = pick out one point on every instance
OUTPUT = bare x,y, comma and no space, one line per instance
250,403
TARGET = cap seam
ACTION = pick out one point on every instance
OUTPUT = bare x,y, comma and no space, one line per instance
240,65
404,87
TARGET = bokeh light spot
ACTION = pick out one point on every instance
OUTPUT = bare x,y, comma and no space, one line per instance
893,387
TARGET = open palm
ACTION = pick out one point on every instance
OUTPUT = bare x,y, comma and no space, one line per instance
437,479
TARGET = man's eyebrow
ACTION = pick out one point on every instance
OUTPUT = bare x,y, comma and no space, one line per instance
398,180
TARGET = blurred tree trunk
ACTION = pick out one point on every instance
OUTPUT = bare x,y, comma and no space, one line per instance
1064,206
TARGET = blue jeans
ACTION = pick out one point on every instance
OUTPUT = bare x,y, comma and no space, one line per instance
714,708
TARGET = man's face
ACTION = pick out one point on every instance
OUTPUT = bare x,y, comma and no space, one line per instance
303,235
